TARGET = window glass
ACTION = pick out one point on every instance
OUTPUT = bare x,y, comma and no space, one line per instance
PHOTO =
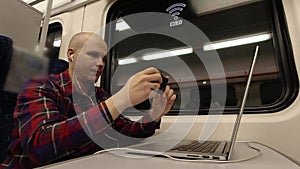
232,31
53,40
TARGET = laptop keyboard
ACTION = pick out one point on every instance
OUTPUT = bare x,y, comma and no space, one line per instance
196,146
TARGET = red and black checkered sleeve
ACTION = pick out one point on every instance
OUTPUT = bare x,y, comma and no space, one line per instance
45,134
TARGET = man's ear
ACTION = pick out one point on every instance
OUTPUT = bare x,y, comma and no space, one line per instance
70,54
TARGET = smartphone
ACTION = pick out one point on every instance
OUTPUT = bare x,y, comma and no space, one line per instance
146,105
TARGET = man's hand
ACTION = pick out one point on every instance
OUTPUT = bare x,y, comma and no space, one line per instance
162,103
136,90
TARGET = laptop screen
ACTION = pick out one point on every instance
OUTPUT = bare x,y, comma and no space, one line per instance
239,116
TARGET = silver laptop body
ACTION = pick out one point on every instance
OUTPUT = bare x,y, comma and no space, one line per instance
214,150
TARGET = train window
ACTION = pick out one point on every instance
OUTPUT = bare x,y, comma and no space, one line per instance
53,40
207,73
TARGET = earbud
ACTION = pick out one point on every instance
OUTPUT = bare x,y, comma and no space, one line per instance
71,57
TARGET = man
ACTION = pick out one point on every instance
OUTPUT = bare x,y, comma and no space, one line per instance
60,116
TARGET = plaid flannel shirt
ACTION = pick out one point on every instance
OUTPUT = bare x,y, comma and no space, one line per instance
50,126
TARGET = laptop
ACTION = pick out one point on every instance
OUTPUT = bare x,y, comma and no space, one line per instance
201,150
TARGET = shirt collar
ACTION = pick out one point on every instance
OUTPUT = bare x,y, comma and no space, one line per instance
66,84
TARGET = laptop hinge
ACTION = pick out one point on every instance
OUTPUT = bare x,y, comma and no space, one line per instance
226,148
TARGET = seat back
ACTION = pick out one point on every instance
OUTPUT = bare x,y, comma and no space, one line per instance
7,99
57,66
7,105
6,50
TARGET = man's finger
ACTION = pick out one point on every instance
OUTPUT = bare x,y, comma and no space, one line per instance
150,70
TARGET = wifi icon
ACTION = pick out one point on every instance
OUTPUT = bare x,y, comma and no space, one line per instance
175,9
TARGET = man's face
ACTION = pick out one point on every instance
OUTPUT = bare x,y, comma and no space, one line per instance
90,61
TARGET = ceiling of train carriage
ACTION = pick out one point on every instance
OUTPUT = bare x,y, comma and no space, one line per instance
206,5
41,5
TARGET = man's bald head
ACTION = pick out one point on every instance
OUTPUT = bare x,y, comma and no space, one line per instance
80,39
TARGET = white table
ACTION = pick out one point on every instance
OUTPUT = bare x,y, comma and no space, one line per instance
269,159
